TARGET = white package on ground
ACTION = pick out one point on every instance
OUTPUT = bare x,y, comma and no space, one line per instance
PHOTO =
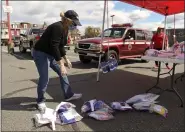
101,115
161,110
120,106
53,116
146,97
97,109
143,105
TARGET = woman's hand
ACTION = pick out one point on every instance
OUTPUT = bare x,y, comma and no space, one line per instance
63,70
68,63
62,67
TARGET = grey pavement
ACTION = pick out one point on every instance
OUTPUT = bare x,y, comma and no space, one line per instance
19,82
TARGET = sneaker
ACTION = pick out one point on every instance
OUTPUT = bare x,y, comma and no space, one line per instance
41,106
168,67
75,96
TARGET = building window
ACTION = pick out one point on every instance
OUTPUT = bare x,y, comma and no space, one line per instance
12,33
18,33
15,26
25,26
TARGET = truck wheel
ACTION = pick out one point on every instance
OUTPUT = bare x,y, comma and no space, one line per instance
145,61
85,59
112,54
22,49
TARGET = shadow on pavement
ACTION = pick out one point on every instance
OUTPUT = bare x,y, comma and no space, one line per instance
19,103
23,56
94,64
115,86
119,86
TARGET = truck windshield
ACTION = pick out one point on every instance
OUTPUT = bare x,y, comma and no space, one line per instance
38,31
114,32
35,31
41,31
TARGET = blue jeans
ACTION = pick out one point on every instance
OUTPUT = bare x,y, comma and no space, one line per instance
42,62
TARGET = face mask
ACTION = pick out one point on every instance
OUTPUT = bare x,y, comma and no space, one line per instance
72,27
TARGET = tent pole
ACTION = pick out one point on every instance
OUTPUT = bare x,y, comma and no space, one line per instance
164,33
102,35
174,31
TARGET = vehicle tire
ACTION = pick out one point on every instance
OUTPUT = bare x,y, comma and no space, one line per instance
22,49
85,59
112,54
145,61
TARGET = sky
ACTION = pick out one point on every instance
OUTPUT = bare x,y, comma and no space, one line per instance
90,14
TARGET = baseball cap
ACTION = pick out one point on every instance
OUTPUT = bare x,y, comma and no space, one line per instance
71,14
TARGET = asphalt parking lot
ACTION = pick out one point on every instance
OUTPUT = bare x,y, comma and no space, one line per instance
19,82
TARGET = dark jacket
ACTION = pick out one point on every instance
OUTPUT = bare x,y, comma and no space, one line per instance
53,41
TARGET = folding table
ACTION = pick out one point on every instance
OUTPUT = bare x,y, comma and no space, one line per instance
167,60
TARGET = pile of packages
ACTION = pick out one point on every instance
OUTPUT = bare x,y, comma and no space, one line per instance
147,102
64,113
144,102
97,109
176,51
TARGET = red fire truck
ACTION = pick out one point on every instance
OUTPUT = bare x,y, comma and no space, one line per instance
122,40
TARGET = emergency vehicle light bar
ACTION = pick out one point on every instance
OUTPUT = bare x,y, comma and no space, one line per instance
123,25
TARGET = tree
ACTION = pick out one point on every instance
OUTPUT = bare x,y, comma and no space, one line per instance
92,32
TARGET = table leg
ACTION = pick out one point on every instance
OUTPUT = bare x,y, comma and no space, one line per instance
158,75
172,85
179,78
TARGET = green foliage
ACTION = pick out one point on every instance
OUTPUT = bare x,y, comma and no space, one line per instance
92,32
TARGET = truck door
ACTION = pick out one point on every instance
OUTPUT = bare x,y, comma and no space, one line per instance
129,43
140,42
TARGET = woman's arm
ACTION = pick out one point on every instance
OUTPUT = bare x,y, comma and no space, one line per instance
55,42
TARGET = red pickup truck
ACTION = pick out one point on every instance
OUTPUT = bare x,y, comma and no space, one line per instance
122,40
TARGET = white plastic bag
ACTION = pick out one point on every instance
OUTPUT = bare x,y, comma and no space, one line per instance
94,105
146,97
152,52
161,110
51,116
143,105
101,115
120,106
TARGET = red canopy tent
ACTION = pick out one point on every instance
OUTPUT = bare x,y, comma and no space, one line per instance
163,7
